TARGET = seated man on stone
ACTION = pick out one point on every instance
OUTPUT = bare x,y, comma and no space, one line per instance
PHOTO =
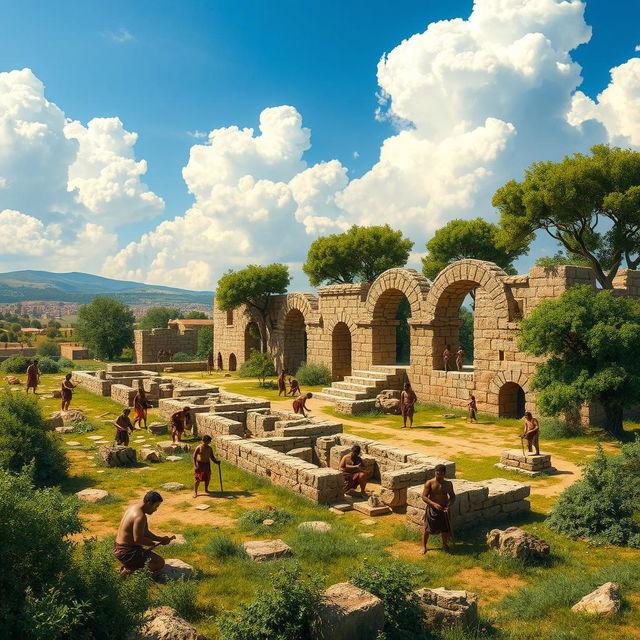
134,535
353,471
123,427
300,404
180,420
203,456
438,495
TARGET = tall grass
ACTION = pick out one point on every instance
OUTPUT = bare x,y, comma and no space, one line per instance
223,547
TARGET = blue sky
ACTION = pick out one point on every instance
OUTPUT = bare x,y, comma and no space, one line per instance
166,69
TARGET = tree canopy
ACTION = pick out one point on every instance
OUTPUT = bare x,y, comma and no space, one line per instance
477,239
253,286
590,204
196,315
105,325
590,340
360,254
158,317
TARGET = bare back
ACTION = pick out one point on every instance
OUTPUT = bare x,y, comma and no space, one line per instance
134,521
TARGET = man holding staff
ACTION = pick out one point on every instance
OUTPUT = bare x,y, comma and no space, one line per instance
438,495
531,433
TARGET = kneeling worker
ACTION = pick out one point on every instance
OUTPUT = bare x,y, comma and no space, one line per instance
134,535
353,471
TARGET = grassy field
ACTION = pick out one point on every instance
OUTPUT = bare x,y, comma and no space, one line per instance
516,602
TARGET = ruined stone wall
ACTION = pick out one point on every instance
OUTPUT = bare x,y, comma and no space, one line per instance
148,343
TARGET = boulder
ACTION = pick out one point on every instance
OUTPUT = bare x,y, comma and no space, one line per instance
442,608
315,525
173,458
175,569
517,543
116,455
157,428
67,429
172,486
388,401
92,495
346,612
149,455
261,550
604,601
54,423
164,623
12,380
172,448
72,415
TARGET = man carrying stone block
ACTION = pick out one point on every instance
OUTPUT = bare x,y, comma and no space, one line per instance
438,495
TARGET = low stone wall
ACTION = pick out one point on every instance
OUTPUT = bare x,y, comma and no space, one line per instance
318,484
92,381
159,367
8,351
123,394
476,502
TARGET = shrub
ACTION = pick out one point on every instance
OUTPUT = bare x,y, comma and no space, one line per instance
15,364
205,342
182,596
65,363
184,357
251,520
222,547
393,583
604,505
127,355
556,429
48,365
48,348
259,365
312,375
284,612
309,545
25,440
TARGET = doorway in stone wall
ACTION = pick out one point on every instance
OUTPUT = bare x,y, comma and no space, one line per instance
233,362
252,339
390,333
295,341
220,363
511,401
340,351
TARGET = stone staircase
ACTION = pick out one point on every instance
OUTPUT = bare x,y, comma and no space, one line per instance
357,392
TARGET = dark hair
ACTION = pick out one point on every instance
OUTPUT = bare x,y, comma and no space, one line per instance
356,448
309,395
441,468
407,385
127,409
35,362
152,497
67,376
185,409
528,415
206,438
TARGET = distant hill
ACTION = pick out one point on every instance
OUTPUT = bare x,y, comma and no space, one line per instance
20,286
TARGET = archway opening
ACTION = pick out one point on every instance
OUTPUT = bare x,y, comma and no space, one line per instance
391,333
220,363
233,363
295,341
511,401
252,339
340,351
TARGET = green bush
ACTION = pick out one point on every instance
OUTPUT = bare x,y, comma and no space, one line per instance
205,342
15,364
182,595
222,547
25,440
557,429
320,546
393,582
604,505
65,363
311,375
48,348
127,355
284,612
48,365
251,520
184,357
259,365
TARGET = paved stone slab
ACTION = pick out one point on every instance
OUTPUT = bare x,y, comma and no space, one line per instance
173,458
261,550
93,495
95,437
203,507
172,486
73,443
366,535
342,506
174,569
368,510
367,521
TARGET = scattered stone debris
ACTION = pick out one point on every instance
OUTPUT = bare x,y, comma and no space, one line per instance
315,525
164,623
67,429
388,401
92,495
72,415
517,543
116,455
149,455
442,608
172,486
175,569
12,380
167,446
261,550
157,428
604,601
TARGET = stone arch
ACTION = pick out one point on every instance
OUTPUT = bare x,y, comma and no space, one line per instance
341,346
305,303
220,363
294,342
413,285
511,389
233,362
252,340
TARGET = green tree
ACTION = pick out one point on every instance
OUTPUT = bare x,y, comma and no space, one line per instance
590,204
158,317
560,258
105,325
259,365
253,286
477,239
465,334
205,342
590,340
196,315
48,348
360,254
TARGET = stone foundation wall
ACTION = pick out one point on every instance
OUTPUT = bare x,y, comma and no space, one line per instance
159,367
93,382
148,343
74,351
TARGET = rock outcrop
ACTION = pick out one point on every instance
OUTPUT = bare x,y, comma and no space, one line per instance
388,401
443,608
604,601
164,623
517,543
115,455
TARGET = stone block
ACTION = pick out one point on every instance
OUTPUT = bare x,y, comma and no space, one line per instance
175,569
92,495
444,609
517,543
303,453
164,623
157,428
262,550
115,455
604,601
167,446
67,429
149,455
172,486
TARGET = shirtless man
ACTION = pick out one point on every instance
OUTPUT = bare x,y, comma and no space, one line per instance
33,376
123,427
134,535
408,398
446,356
140,406
531,432
459,358
438,494
294,387
300,404
203,456
353,471
180,420
282,385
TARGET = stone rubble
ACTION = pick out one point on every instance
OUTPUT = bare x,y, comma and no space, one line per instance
517,543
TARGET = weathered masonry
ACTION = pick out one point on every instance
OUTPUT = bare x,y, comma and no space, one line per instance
353,328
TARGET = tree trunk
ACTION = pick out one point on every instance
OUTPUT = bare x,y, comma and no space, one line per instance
613,420
263,334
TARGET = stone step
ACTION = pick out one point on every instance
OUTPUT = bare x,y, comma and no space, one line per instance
345,393
371,375
390,369
363,388
366,382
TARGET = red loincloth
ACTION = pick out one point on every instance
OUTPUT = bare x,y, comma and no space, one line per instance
297,405
132,556
202,472
351,480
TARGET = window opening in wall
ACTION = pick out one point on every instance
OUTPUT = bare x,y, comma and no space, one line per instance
229,317
501,355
